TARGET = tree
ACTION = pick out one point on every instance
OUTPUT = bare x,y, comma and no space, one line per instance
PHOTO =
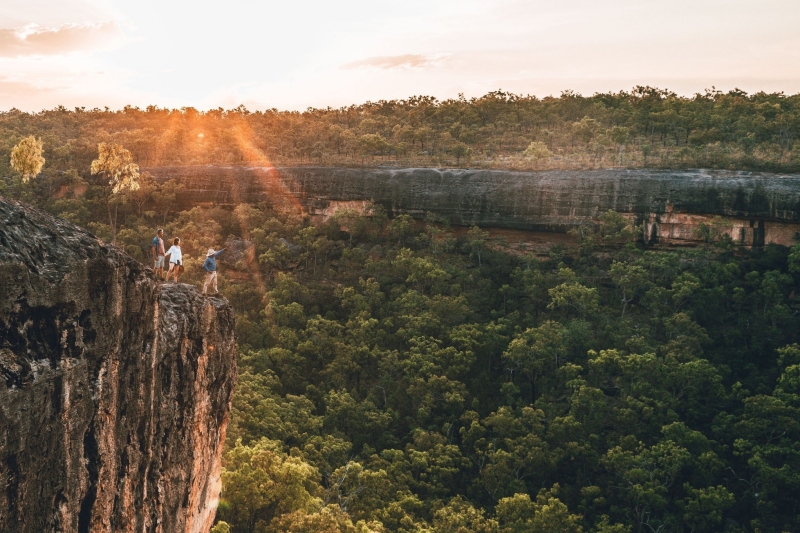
584,130
517,456
144,194
573,295
718,229
329,519
615,230
646,150
646,475
26,158
221,527
460,150
794,259
401,228
536,151
166,195
422,135
372,143
767,436
476,242
548,514
262,483
705,508
619,135
631,280
459,516
537,352
115,163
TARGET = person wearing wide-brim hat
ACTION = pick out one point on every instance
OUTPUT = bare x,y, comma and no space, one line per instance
210,266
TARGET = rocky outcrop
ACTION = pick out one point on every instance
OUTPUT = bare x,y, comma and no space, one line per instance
115,390
765,206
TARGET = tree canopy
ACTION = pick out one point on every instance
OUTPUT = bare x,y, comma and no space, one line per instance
116,163
26,158
643,127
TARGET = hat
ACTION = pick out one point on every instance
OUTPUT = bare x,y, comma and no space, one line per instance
210,252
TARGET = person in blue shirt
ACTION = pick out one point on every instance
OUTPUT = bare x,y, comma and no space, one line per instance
210,266
158,254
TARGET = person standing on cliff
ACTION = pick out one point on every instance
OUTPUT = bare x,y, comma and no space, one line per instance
210,266
175,258
158,254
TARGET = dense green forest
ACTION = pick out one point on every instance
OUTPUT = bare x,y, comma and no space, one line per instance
645,127
401,379
399,376
402,375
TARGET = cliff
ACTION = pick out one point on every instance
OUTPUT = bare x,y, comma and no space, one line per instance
758,208
115,390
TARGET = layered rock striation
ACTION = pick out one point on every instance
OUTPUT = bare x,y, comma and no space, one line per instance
114,392
758,208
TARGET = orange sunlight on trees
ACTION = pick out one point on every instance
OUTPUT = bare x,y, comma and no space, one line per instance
115,163
26,158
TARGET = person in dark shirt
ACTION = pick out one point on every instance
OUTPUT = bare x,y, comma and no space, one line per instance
210,266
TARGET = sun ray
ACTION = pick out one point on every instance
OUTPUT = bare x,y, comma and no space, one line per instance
270,180
254,157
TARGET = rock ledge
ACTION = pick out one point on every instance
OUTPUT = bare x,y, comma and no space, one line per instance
114,390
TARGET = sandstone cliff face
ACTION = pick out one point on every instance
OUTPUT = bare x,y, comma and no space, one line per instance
766,207
115,390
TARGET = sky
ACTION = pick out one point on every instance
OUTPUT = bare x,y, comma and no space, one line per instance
303,53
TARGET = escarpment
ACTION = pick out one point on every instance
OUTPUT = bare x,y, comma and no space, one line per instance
755,208
115,390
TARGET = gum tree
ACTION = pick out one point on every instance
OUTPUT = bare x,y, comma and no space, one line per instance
27,159
115,163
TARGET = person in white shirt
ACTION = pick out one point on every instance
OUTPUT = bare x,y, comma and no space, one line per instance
175,258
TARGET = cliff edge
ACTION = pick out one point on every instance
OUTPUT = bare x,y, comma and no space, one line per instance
114,390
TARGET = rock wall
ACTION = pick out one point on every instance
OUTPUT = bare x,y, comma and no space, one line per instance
115,390
553,201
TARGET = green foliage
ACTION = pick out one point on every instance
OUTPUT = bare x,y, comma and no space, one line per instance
794,259
437,388
547,514
460,516
116,163
221,527
26,158
426,410
261,483
574,296
536,151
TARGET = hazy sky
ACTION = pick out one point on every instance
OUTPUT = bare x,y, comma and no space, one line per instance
291,54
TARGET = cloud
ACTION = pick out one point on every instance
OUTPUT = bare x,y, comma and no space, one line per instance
395,62
26,96
34,40
15,88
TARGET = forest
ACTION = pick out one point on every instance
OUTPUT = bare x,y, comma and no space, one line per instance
404,375
644,127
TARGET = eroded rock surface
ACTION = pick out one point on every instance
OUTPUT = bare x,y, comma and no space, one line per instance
114,392
765,206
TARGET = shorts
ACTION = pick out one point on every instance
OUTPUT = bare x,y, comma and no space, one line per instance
178,262
159,263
